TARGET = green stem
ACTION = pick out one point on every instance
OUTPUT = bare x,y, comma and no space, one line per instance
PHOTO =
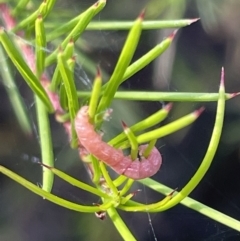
46,195
162,96
46,144
193,204
108,179
158,207
120,225
126,25
207,160
126,187
14,95
76,183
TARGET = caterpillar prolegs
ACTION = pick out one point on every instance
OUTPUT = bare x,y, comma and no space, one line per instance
124,165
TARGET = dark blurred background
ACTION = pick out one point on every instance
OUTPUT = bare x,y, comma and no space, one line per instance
193,64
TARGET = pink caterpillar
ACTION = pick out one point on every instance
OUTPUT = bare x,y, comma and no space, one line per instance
124,165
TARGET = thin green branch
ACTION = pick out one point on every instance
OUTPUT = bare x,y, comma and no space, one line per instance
40,42
97,84
120,225
163,96
46,144
194,181
22,66
146,123
64,28
147,25
75,182
193,204
69,84
164,130
44,9
108,179
52,198
212,148
78,29
122,64
22,4
14,95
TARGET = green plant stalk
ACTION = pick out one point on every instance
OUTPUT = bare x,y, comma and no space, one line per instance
42,116
76,183
119,180
74,34
46,145
132,206
164,130
107,178
63,29
157,207
163,96
69,50
149,148
24,69
148,122
147,25
193,204
120,225
122,64
40,39
132,140
50,5
148,57
77,30
126,187
97,84
14,95
118,25
52,198
29,21
44,9
19,7
67,77
63,97
97,172
140,63
56,79
188,202
62,91
211,151
127,198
